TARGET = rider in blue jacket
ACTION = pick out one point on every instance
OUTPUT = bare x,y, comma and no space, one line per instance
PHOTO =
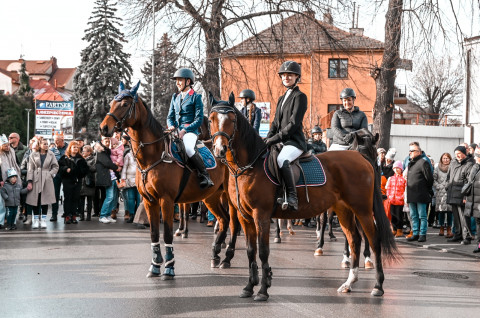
186,115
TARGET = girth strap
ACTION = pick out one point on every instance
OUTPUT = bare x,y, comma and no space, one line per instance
183,183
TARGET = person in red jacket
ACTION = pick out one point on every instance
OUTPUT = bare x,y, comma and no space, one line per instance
395,193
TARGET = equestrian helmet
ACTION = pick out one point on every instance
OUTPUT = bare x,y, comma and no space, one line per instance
317,130
290,67
247,93
11,173
347,92
184,73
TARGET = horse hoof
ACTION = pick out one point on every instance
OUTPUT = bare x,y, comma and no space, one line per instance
224,265
333,239
377,292
318,252
246,294
345,265
261,297
224,245
344,289
215,263
291,232
150,275
177,233
184,235
368,264
168,277
277,240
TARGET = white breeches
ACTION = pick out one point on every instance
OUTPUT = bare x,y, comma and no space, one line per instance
190,140
289,153
335,147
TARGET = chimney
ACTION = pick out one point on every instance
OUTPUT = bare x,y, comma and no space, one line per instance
327,17
356,31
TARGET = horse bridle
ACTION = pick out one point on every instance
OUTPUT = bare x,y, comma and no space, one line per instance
226,110
119,122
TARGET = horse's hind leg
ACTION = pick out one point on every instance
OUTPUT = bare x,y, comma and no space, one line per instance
278,230
352,235
290,227
153,213
331,213
181,225
321,225
215,206
366,251
346,253
167,212
263,233
251,241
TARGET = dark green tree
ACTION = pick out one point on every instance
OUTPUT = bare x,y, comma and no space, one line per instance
165,66
25,89
103,65
13,116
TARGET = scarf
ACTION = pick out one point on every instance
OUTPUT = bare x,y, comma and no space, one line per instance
443,168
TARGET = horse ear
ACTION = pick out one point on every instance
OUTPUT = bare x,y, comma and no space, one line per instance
231,99
121,87
211,99
135,89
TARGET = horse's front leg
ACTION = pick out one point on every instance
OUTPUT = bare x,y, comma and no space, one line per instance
234,229
182,224
214,204
321,226
263,232
251,241
278,230
153,213
167,214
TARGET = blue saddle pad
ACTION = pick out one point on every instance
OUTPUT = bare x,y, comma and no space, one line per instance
207,156
313,171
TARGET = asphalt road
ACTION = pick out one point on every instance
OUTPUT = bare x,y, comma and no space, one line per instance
99,270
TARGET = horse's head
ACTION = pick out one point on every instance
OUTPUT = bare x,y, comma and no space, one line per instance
122,111
223,118
364,142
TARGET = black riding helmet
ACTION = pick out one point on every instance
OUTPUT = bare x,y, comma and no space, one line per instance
291,67
184,73
348,92
317,130
248,93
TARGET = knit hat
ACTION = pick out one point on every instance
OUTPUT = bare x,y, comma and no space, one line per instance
391,154
474,146
380,150
11,173
3,140
461,149
398,164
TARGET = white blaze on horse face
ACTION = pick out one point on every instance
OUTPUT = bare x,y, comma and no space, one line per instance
218,141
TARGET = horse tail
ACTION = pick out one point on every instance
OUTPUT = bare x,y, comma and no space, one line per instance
384,235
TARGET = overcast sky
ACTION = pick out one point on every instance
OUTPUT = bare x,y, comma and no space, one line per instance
41,29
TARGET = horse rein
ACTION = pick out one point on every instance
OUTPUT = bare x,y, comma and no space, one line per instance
235,172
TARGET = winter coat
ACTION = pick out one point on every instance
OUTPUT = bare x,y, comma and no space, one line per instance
103,166
316,146
456,178
387,170
287,127
396,189
42,178
89,191
344,122
419,181
472,207
78,170
256,117
129,170
8,160
116,155
11,193
187,113
20,152
59,152
440,184
24,163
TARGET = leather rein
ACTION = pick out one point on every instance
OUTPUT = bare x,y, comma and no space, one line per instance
238,170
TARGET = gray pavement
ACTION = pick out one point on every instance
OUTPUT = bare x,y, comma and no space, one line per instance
98,270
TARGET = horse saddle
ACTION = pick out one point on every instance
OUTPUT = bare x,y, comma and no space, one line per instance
307,169
177,151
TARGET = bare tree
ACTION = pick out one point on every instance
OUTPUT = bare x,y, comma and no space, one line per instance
438,87
203,29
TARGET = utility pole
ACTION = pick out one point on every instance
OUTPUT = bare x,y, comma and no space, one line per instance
28,124
152,102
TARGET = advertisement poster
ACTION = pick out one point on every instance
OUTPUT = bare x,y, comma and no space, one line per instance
54,117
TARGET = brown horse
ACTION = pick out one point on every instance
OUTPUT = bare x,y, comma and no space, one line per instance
158,178
351,190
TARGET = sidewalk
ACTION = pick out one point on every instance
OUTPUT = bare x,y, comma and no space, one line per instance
439,243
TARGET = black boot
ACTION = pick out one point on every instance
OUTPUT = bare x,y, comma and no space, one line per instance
89,216
197,161
287,176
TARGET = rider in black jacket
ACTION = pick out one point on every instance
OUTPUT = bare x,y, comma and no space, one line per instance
316,144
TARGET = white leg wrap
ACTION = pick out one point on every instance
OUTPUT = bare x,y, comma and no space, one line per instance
168,245
352,276
155,244
170,262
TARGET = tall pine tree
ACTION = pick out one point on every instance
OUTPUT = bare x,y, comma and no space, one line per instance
103,65
165,66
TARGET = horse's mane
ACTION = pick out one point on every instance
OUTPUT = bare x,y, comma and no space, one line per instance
249,136
151,122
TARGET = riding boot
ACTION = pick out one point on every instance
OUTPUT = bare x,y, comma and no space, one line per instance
197,161
288,179
89,216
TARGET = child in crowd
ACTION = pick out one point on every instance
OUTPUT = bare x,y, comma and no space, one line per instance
10,192
395,192
116,154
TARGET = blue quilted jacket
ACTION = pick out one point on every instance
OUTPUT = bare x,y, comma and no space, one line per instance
186,114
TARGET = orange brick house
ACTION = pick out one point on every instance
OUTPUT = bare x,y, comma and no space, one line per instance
48,81
331,59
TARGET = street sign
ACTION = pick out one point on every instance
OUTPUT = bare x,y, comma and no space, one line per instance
54,117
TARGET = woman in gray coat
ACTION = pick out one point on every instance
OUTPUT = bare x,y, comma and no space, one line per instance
440,184
472,207
42,167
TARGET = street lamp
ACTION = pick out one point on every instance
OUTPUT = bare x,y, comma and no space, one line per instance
153,58
28,124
